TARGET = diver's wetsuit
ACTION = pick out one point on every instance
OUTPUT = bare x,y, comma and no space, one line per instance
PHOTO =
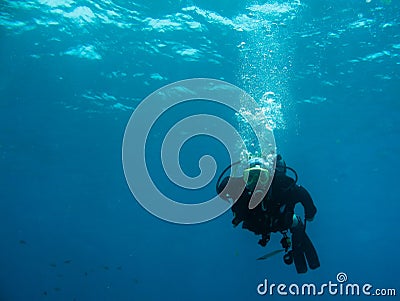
275,214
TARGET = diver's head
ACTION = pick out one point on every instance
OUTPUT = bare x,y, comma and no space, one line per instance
256,175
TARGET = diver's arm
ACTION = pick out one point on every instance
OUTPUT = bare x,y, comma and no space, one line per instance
305,199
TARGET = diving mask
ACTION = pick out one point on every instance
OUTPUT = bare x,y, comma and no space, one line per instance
257,175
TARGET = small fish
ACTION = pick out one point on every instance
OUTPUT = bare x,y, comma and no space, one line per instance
67,261
22,242
53,265
270,254
86,273
44,293
119,268
57,289
106,267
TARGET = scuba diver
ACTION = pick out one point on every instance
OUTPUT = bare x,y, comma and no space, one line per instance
275,212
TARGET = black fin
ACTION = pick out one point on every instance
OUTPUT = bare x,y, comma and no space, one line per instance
299,260
303,248
310,252
298,251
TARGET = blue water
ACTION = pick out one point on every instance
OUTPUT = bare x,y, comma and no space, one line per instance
72,73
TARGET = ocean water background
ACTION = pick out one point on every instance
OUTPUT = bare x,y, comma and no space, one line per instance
72,73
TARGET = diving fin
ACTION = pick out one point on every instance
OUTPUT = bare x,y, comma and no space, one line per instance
311,253
303,249
299,261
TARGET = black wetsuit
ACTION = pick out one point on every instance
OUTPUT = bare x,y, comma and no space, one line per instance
275,214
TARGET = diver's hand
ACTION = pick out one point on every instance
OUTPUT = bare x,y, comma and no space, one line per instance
309,217
264,240
236,221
